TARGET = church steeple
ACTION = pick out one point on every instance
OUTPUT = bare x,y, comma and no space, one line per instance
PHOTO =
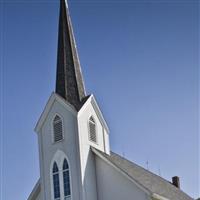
69,80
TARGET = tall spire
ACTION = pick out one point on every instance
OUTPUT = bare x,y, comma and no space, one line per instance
69,80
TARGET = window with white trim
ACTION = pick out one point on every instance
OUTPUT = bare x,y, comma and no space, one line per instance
92,130
56,182
57,129
66,180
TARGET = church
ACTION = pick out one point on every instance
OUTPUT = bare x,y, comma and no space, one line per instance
76,162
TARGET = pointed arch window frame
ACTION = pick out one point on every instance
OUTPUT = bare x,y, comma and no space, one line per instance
52,128
89,129
59,158
67,172
56,180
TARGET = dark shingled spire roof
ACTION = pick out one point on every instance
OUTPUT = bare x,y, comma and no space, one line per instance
69,80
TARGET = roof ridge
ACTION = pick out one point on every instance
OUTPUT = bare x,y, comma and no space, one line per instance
147,171
126,159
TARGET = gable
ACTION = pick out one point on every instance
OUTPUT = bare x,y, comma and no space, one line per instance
100,140
91,100
156,185
53,98
112,184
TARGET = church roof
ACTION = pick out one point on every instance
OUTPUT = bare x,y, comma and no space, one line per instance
36,191
69,80
148,180
156,185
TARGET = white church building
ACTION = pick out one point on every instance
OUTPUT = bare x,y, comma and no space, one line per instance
76,162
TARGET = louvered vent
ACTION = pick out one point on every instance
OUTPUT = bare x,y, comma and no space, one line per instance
57,128
92,130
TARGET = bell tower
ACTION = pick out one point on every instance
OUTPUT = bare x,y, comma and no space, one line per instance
69,127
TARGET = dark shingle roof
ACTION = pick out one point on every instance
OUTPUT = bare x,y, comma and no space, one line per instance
152,182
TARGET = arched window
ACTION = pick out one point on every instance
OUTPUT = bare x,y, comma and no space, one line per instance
92,130
57,129
56,183
66,180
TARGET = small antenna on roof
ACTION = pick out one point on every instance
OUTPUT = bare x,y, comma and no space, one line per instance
123,152
147,163
159,171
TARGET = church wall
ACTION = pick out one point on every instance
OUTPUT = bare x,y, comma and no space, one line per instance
112,185
69,146
87,157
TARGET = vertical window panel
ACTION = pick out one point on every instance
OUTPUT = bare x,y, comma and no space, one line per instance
56,182
66,180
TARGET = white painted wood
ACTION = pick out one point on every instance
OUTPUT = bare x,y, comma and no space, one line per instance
91,177
113,185
48,150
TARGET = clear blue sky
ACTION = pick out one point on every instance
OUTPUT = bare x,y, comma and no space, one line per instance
139,58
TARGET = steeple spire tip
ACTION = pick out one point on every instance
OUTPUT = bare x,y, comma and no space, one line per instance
69,80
